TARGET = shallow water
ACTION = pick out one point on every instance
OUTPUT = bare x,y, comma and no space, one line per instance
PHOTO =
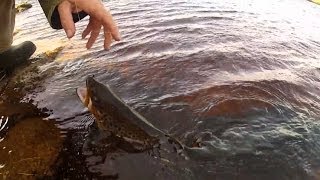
238,79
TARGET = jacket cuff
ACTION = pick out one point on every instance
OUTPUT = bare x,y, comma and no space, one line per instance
51,11
55,18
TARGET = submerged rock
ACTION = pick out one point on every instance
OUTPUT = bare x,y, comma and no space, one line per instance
29,149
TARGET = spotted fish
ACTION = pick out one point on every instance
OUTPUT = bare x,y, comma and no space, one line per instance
114,116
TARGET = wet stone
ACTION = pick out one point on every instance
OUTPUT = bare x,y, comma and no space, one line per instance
29,149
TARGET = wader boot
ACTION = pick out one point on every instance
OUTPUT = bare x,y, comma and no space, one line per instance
16,55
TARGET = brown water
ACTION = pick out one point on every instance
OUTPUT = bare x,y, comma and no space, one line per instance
238,79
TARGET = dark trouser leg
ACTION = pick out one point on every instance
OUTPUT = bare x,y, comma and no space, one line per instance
11,56
7,21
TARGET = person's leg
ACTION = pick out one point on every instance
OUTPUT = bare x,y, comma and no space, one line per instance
11,56
7,20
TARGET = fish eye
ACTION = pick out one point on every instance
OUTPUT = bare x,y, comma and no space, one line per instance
95,98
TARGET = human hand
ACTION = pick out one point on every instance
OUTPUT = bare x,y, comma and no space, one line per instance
99,17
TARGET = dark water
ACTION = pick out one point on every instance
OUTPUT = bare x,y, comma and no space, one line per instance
238,79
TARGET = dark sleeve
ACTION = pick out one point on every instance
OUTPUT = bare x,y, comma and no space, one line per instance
51,11
55,18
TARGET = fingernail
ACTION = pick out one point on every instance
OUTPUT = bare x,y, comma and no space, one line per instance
119,37
69,33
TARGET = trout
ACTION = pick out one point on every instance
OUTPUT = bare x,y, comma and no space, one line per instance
115,117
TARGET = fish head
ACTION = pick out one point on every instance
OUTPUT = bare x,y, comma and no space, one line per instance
95,98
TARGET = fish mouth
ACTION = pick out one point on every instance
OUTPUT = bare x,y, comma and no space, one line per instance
84,96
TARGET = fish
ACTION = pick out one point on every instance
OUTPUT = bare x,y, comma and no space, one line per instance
114,116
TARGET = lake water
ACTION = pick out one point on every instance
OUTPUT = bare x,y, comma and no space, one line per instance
237,80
